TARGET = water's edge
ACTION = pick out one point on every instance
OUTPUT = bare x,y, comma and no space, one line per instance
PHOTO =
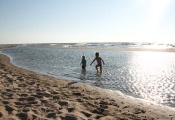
113,92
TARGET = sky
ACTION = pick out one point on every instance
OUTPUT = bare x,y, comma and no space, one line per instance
74,21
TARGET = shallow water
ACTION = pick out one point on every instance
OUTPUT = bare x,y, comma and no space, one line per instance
148,75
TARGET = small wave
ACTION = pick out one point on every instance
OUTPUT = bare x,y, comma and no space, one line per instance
171,45
128,43
80,44
53,44
146,43
106,45
66,46
92,44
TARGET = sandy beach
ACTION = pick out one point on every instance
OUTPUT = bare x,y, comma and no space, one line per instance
25,95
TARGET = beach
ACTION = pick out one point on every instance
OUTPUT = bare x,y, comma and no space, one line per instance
27,95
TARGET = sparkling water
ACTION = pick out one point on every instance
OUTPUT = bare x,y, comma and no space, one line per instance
147,75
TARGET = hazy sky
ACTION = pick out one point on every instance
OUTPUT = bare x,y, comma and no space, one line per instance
60,21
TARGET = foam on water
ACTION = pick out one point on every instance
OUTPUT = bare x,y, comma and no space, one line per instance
151,45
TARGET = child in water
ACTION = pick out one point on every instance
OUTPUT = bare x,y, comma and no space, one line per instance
99,62
83,63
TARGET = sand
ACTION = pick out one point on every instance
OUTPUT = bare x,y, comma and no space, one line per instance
25,95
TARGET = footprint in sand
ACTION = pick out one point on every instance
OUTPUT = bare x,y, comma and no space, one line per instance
46,94
26,110
20,79
138,111
9,80
8,90
38,96
9,95
22,85
19,103
9,109
51,115
77,94
56,97
1,114
31,98
33,102
35,111
86,114
69,117
21,99
98,111
31,83
71,109
54,92
24,95
63,103
22,116
5,102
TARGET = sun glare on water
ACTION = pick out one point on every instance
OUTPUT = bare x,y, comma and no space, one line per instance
150,73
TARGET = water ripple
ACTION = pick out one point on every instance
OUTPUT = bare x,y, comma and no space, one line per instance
148,75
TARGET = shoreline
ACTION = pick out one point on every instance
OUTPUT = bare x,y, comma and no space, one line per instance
99,48
28,95
117,49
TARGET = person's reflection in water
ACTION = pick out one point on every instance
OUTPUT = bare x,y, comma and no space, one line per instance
83,74
98,80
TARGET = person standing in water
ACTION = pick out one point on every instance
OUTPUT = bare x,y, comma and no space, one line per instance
99,62
83,62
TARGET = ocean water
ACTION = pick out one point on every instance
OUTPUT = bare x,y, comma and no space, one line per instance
150,45
147,75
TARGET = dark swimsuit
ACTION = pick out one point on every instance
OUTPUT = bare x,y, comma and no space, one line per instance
83,62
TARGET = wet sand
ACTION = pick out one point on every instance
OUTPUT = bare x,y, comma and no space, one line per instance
26,95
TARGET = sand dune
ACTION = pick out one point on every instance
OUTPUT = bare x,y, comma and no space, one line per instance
25,95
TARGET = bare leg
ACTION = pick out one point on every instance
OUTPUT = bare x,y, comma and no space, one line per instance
96,67
100,68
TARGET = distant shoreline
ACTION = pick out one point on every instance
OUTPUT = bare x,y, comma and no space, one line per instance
117,49
96,48
6,46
